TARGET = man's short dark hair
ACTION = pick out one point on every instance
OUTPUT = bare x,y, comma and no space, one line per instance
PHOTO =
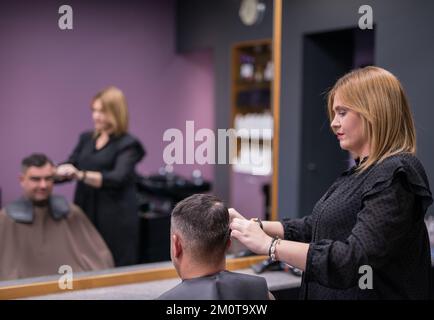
203,221
35,160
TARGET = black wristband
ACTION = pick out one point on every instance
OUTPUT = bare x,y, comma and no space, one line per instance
84,176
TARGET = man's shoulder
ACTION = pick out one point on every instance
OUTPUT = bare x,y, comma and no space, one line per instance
175,293
237,285
76,213
223,285
244,276
19,210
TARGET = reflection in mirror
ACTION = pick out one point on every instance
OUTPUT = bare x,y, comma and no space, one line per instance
156,81
164,88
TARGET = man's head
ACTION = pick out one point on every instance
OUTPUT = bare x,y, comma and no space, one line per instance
37,175
200,230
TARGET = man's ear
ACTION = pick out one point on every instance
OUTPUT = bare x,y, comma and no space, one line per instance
177,245
228,244
21,178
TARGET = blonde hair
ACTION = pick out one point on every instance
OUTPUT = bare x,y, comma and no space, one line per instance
378,97
115,105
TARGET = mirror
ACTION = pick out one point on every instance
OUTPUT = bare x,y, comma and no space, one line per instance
54,62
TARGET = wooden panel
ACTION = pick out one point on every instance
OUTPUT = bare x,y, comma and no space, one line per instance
114,279
277,50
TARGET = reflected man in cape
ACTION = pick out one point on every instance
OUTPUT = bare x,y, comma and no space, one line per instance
40,232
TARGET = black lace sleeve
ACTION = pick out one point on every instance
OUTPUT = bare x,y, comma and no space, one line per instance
298,229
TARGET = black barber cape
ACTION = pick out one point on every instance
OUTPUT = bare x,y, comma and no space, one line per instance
224,285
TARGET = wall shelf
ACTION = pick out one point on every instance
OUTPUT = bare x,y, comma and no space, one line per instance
251,83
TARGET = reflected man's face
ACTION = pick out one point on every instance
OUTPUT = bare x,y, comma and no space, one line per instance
37,182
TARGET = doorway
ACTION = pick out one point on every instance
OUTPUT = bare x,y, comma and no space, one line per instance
326,57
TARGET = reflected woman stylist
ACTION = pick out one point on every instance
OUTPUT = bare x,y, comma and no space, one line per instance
372,215
103,163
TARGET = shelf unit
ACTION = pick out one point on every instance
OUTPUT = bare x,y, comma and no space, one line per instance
251,83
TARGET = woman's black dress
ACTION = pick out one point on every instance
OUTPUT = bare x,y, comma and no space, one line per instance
375,218
113,207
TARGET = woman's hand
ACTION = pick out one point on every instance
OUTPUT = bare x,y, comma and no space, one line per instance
67,171
234,214
251,235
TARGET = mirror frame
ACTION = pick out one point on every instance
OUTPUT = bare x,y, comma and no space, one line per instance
111,279
121,278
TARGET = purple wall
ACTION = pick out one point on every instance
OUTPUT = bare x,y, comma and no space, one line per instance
48,76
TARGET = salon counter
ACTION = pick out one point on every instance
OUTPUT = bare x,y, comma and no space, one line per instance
280,283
